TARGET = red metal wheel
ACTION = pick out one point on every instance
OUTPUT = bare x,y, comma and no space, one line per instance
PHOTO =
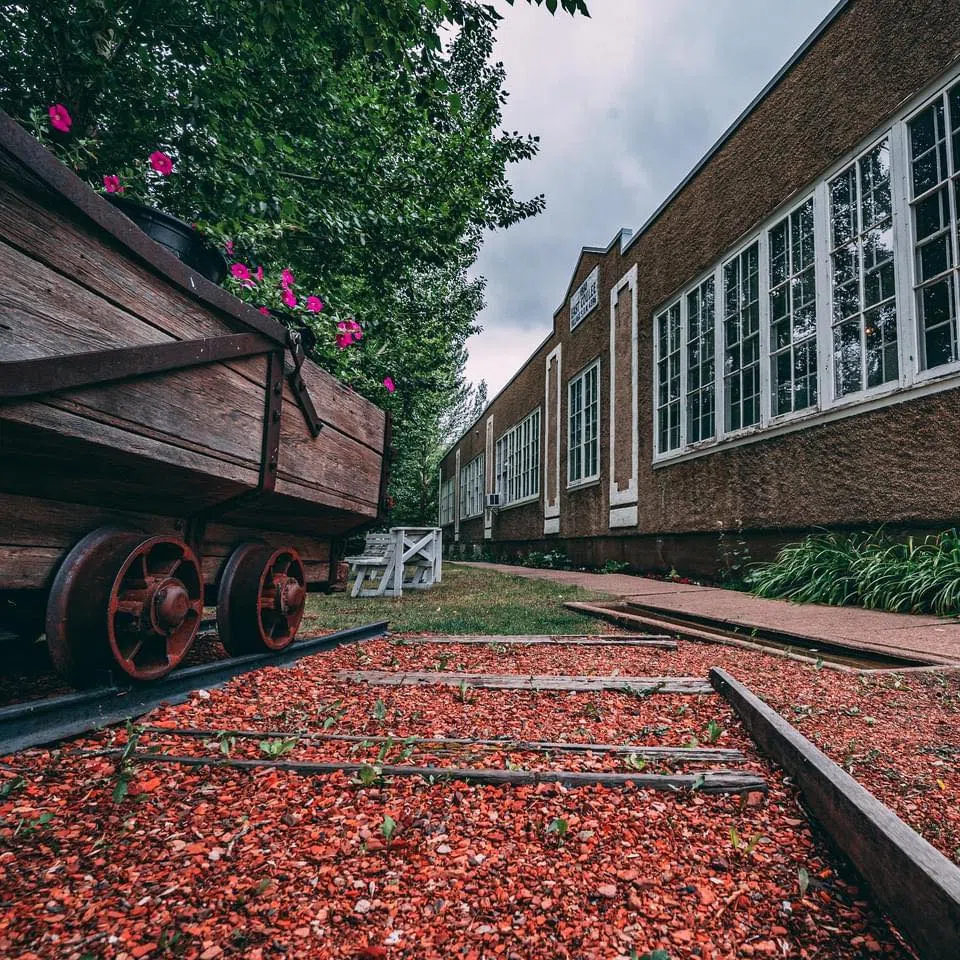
261,598
124,598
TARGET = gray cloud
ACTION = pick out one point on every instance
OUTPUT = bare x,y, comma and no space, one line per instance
625,104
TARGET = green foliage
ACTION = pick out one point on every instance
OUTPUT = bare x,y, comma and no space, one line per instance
714,732
615,566
870,570
559,826
277,747
551,560
388,828
358,142
379,711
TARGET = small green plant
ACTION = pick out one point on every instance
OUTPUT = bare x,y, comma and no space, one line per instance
125,767
653,955
615,566
803,880
379,711
497,647
641,693
442,662
714,731
388,828
463,692
278,747
11,786
635,762
744,848
560,827
27,827
368,775
223,744
592,711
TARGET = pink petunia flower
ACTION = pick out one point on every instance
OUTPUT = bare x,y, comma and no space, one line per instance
60,118
264,311
286,278
228,246
161,162
389,384
289,298
260,273
314,304
240,271
111,183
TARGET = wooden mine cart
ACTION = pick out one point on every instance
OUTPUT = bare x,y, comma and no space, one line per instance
159,441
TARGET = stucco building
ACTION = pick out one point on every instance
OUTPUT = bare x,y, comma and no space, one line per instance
774,350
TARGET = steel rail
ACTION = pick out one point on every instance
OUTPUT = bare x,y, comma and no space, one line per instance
45,721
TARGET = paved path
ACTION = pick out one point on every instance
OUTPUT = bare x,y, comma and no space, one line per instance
898,634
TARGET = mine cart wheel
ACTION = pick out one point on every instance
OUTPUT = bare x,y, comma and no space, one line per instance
261,598
124,598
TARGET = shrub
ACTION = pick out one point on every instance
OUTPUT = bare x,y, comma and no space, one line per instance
871,570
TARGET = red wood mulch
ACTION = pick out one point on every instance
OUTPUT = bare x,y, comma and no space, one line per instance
208,863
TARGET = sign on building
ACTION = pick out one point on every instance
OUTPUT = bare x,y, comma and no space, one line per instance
585,297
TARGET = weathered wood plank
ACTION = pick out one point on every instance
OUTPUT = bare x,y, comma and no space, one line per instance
555,641
688,754
912,881
703,781
96,261
644,685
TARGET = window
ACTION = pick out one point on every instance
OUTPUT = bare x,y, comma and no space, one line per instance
701,363
668,379
518,461
864,318
583,436
446,502
793,313
471,489
741,339
934,165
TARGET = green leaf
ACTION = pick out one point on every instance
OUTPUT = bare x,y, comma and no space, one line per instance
803,880
388,827
120,790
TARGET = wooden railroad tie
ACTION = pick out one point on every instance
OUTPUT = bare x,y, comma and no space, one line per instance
656,641
639,685
681,754
702,781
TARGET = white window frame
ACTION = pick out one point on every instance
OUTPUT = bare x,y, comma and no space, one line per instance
471,488
447,498
912,381
592,370
911,280
591,285
518,454
660,405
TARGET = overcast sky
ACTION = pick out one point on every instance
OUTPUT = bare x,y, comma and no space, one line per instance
625,103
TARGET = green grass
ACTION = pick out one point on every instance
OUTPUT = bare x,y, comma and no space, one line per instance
869,570
467,601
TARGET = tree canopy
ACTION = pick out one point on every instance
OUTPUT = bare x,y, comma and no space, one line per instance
357,142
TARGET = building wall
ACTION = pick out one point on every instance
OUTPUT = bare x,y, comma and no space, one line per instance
893,464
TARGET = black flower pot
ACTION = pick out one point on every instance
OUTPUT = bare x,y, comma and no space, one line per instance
184,241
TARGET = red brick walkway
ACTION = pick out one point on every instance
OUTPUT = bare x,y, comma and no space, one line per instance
895,633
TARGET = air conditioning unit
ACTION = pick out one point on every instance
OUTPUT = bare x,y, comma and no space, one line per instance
493,500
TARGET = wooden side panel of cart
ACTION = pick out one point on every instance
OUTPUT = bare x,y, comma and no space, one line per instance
155,450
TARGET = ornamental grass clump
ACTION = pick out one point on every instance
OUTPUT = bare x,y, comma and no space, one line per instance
869,570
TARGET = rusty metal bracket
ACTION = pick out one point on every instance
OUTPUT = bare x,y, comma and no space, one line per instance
299,388
273,408
24,379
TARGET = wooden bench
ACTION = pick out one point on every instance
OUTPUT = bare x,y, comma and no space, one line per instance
405,557
375,565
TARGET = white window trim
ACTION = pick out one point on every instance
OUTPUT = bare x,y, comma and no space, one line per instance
473,471
447,501
536,470
592,478
912,382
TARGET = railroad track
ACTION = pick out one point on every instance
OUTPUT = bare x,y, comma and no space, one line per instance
43,721
914,883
